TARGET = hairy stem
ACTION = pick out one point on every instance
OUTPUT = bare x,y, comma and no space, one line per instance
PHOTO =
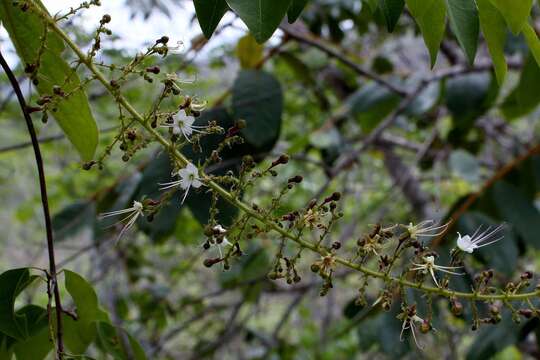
44,203
182,160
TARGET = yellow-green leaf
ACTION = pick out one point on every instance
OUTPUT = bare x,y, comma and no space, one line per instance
515,12
249,52
493,28
430,15
72,113
532,40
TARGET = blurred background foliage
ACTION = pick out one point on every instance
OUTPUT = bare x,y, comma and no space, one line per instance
465,146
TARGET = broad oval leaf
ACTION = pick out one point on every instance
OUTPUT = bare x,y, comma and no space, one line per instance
209,13
73,113
258,99
391,10
430,15
465,25
515,12
492,24
295,10
262,17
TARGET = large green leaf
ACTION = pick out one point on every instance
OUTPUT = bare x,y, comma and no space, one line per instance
258,99
371,104
262,17
532,41
526,95
72,113
209,13
465,25
118,343
391,10
492,24
81,332
515,12
295,10
519,210
430,15
469,96
73,219
249,52
14,324
38,345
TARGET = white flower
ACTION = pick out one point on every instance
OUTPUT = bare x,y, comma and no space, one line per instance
134,212
428,228
409,322
183,125
469,243
429,266
188,178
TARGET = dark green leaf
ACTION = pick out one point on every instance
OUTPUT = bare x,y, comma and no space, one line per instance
73,218
391,10
531,37
258,99
14,324
38,345
371,104
209,13
72,114
493,339
519,210
118,343
465,25
526,96
262,17
469,96
295,10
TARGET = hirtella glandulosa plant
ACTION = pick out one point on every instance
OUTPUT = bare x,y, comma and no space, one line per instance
390,258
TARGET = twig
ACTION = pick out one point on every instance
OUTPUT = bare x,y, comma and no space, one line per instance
44,202
454,217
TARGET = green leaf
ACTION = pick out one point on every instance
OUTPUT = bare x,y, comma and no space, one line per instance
118,343
295,10
371,104
209,13
430,15
519,210
73,218
81,332
532,41
493,339
39,345
262,17
73,114
492,24
257,98
249,52
526,95
469,96
515,12
465,25
391,10
14,324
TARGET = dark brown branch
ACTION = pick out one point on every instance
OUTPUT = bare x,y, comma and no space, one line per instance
44,202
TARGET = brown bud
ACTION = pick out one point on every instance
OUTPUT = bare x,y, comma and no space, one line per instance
315,268
105,19
296,179
527,313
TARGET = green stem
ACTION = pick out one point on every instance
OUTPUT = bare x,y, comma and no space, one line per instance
245,207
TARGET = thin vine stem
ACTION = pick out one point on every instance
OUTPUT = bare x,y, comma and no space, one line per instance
52,278
183,161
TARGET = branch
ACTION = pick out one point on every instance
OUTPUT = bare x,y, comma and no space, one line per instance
262,218
44,203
